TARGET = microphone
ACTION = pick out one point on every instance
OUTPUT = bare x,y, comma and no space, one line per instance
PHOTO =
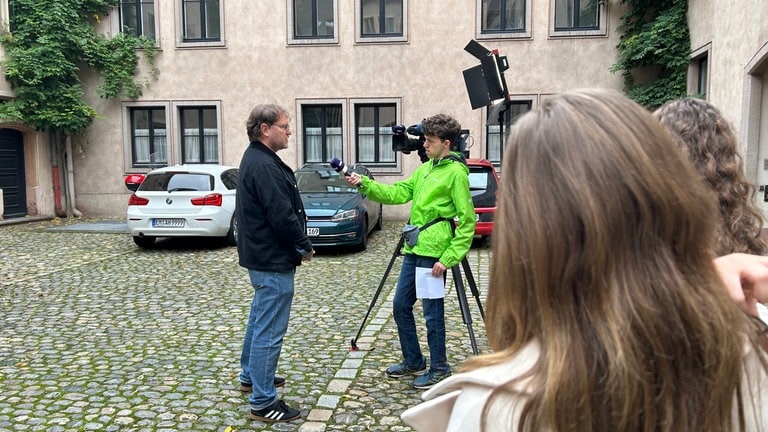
338,166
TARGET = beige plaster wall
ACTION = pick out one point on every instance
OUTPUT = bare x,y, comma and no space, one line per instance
258,66
736,31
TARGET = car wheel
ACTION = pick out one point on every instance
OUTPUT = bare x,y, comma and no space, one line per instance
363,245
144,242
232,234
378,225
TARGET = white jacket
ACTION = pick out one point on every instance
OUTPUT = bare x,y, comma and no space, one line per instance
456,404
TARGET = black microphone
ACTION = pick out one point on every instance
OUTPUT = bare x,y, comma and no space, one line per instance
338,166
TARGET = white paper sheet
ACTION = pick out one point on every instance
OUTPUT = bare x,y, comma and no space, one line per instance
428,286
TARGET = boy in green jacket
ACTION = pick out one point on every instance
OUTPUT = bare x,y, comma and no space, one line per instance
439,192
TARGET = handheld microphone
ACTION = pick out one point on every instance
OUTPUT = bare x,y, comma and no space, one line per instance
339,166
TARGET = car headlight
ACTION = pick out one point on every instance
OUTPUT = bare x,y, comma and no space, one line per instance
345,215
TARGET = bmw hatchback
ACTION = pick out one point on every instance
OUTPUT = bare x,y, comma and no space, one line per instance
183,200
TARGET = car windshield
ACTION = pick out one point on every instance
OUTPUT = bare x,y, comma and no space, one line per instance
177,181
322,180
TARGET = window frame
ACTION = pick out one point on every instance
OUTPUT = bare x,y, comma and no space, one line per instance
156,21
380,37
531,100
128,133
293,40
300,133
525,33
179,132
383,167
182,42
600,30
698,71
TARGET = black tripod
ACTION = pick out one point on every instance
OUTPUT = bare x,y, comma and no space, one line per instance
460,293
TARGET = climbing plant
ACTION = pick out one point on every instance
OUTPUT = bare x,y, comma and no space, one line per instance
654,50
47,45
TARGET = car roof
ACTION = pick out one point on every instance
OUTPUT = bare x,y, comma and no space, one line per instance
193,168
479,162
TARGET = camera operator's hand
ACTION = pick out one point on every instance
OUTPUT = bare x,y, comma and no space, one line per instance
438,269
354,179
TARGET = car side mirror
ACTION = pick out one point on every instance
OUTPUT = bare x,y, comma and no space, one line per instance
133,181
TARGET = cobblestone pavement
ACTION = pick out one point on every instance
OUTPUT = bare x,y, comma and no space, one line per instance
99,335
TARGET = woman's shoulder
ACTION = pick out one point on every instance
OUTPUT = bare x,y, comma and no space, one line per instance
459,400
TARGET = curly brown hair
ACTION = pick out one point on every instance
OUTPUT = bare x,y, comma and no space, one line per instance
708,140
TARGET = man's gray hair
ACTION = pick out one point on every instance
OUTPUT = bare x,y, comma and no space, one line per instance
263,114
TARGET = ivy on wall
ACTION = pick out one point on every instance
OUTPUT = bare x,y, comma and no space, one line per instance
47,43
654,51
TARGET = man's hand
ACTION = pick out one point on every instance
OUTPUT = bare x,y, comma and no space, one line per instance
308,257
746,277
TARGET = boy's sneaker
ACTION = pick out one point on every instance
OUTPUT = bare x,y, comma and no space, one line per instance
277,412
401,369
429,379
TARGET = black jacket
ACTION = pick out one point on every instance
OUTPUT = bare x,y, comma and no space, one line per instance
271,221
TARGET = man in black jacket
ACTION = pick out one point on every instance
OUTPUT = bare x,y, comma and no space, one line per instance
271,242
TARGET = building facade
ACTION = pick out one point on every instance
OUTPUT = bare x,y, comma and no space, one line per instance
347,70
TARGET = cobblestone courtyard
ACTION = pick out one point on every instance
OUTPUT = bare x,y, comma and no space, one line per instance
99,335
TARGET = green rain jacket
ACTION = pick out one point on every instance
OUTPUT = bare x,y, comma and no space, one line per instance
437,190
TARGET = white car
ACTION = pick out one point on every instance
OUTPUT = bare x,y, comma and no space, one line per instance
182,200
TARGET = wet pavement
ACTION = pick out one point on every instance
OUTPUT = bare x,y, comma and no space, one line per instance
99,335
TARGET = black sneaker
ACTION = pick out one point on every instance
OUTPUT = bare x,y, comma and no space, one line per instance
401,369
277,412
247,388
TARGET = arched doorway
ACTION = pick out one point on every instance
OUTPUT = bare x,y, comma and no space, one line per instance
12,176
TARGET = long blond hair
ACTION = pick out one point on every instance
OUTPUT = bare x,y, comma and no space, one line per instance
602,253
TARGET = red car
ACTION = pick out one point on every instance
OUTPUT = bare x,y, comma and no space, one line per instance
483,185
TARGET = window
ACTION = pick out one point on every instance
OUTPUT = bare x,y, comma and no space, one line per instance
137,17
698,72
149,147
578,18
322,132
493,128
199,135
381,21
504,19
201,20
314,21
373,133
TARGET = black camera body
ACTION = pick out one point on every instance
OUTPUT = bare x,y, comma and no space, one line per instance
409,139
412,138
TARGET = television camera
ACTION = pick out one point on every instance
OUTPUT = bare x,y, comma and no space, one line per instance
412,138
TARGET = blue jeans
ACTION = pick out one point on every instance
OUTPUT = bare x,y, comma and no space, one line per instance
434,315
267,324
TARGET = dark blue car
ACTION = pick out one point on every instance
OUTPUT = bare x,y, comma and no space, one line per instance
338,214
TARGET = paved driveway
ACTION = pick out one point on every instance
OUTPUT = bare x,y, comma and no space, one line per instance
98,335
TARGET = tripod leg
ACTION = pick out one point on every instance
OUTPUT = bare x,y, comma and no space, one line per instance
463,306
395,254
473,285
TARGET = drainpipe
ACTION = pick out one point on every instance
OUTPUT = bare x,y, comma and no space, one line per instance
71,177
53,137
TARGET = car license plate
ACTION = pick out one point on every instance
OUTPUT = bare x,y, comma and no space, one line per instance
313,232
168,223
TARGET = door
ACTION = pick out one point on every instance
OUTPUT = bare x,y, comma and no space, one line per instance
12,173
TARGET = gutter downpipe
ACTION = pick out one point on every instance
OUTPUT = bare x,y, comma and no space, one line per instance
71,177
52,136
